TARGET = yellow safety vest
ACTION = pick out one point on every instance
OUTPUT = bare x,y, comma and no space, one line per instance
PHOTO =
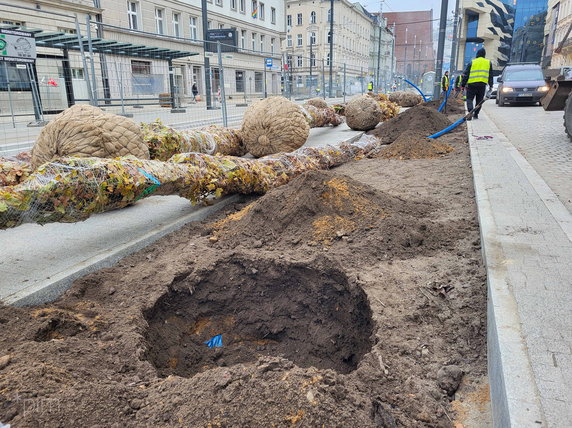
445,83
370,86
480,70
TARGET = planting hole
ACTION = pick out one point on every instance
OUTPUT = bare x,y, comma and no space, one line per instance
312,316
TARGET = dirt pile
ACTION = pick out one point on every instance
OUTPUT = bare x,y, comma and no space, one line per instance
413,144
322,208
454,105
420,118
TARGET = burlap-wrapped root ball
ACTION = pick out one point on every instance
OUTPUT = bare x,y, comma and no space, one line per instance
317,102
405,98
363,113
274,125
87,131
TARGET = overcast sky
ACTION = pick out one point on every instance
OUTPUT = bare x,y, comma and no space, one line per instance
406,5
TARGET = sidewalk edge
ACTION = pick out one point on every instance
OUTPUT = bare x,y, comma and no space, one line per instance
514,393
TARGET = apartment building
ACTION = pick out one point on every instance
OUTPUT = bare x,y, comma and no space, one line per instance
558,35
138,51
307,44
177,24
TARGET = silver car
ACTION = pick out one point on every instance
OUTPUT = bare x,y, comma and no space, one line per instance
521,83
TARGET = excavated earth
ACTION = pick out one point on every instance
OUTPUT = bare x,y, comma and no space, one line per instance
349,298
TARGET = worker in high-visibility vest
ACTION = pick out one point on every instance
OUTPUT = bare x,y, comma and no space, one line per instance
370,86
476,77
445,82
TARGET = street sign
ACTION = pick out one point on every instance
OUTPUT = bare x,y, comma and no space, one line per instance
226,37
268,62
17,46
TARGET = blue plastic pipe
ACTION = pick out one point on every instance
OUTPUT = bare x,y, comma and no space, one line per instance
449,128
422,94
446,98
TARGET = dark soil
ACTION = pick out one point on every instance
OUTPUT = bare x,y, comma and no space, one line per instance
302,346
454,105
419,117
312,317
413,144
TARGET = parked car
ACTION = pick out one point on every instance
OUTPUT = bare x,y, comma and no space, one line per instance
521,83
494,91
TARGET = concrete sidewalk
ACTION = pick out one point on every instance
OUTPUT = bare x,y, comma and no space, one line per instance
38,262
527,245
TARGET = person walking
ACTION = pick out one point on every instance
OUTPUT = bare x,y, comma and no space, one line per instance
370,87
195,91
476,77
445,82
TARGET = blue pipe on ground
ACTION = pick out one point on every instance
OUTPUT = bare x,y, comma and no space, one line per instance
449,128
440,109
422,94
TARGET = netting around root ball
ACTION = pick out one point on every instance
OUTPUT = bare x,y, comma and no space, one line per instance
75,188
363,113
87,131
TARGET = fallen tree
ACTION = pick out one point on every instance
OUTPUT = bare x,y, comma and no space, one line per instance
72,189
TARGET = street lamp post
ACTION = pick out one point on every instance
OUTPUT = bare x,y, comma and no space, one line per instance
311,77
405,56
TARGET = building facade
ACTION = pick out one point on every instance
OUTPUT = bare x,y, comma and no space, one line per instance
144,50
414,51
307,46
558,35
509,30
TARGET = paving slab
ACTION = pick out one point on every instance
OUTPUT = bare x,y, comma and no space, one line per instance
39,263
527,246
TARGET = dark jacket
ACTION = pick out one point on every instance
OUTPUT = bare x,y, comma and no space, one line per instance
468,71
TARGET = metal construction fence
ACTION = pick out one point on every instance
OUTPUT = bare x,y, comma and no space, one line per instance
148,76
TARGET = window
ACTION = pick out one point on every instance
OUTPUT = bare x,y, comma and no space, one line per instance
262,11
312,38
329,37
273,15
299,17
218,3
233,4
254,9
220,26
209,25
193,27
272,43
239,81
289,40
330,15
289,61
299,61
159,21
289,20
261,43
242,4
243,39
312,17
132,15
176,30
258,81
63,30
140,67
299,40
254,41
313,60
328,58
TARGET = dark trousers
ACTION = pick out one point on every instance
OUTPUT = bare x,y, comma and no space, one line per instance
475,90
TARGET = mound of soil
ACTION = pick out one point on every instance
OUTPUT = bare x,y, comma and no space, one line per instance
322,208
413,144
454,105
420,118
